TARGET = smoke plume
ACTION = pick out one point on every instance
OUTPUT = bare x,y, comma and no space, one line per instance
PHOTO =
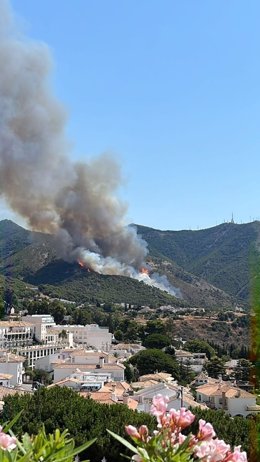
74,201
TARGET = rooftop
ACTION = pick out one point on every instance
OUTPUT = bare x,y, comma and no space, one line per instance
11,358
225,387
83,367
15,324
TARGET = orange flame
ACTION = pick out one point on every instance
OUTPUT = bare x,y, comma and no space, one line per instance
82,265
144,270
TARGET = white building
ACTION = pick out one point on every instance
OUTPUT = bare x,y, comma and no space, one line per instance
41,323
5,380
231,399
34,352
89,336
195,361
61,370
15,333
12,365
69,356
178,396
84,381
126,350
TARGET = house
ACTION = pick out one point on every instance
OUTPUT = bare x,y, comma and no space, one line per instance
63,370
226,396
203,378
84,381
12,365
126,350
148,380
75,356
5,380
178,396
113,393
66,362
195,361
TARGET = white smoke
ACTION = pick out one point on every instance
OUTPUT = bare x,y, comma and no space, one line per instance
77,202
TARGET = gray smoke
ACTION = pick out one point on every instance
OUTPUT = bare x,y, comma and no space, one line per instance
39,181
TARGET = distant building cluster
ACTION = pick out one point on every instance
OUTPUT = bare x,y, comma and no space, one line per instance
85,359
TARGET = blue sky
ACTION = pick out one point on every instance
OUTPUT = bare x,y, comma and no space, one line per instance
172,88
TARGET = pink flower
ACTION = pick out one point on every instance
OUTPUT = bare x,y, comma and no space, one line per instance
132,431
182,418
206,431
137,458
212,450
7,442
159,406
237,456
181,438
143,432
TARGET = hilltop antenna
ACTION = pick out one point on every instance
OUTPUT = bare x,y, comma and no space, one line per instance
232,218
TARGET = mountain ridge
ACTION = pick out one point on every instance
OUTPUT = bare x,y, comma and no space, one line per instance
201,263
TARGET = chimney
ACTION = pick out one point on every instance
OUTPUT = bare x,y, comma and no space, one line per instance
223,400
113,394
101,361
125,398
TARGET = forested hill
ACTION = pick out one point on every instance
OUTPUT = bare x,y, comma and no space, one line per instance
210,267
220,254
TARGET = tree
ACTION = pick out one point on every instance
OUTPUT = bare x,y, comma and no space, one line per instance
158,341
130,372
200,346
152,360
243,370
2,309
155,327
58,312
10,299
118,335
42,376
84,418
215,367
63,334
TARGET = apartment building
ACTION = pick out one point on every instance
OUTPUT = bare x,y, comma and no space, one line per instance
15,334
89,336
41,324
34,352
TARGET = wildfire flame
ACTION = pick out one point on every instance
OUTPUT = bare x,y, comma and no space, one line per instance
82,265
144,270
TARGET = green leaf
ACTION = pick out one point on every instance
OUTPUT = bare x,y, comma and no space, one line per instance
123,441
9,425
76,451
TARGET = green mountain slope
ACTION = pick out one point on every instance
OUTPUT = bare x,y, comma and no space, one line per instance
70,281
204,265
219,255
12,238
31,258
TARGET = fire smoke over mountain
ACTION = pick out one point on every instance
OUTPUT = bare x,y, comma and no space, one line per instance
74,201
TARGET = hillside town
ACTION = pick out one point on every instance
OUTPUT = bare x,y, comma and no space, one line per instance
89,360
